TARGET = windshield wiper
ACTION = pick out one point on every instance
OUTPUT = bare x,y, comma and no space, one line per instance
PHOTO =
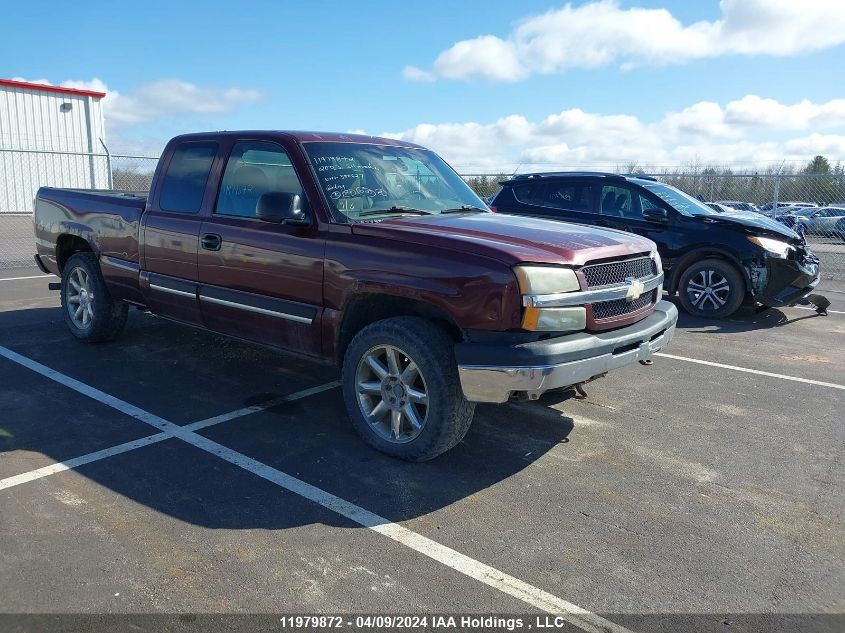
394,209
465,207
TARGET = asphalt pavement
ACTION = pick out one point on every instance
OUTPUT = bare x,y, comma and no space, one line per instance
177,471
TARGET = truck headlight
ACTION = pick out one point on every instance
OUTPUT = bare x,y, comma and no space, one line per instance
775,247
545,280
554,319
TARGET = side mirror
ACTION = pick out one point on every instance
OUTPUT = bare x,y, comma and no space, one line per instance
281,207
656,215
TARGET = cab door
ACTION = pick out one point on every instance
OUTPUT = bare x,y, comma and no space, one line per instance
170,231
258,280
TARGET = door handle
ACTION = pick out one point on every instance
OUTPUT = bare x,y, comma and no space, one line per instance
211,241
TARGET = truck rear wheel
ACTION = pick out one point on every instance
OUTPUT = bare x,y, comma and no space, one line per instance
89,310
711,288
402,391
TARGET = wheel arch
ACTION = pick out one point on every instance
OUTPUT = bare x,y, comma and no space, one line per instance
67,244
707,252
362,309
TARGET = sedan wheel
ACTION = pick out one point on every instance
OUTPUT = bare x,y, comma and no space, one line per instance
711,288
708,290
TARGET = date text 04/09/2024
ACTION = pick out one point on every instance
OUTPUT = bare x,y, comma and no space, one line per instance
423,621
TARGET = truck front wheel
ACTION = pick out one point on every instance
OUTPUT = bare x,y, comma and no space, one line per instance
89,310
402,391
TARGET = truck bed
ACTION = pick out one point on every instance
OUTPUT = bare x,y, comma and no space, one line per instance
107,220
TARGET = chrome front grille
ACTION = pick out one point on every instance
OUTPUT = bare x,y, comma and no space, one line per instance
616,272
621,307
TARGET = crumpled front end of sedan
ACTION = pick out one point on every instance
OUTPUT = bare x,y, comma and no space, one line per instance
782,274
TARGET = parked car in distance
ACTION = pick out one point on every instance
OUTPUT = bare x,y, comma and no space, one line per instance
824,221
739,205
714,261
720,208
769,208
366,252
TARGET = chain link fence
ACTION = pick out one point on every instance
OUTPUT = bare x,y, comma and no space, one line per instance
23,171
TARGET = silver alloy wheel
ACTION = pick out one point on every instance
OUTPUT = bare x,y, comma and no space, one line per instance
80,298
708,290
392,393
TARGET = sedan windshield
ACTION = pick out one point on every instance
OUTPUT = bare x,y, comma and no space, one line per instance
678,200
364,181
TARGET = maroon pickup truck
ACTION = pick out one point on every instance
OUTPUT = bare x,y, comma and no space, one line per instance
366,252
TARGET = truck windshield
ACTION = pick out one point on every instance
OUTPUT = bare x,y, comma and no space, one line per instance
678,200
361,180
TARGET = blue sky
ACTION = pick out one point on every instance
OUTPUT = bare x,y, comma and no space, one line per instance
343,66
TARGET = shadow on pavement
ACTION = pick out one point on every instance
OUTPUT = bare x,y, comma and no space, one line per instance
745,319
310,439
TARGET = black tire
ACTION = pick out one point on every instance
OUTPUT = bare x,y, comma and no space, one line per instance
106,318
448,414
726,289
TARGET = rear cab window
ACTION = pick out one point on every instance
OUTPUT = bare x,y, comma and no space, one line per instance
184,182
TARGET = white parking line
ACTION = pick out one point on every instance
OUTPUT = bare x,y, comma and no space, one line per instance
30,277
76,462
510,585
813,309
746,370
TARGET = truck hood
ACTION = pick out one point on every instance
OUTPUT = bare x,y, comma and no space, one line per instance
754,224
509,239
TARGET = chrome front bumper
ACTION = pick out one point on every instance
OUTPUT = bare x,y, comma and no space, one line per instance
563,361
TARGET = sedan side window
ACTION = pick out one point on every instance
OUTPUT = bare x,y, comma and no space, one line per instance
646,204
568,196
619,202
522,193
253,169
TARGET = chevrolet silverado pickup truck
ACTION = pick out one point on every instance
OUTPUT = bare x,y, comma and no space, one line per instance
366,252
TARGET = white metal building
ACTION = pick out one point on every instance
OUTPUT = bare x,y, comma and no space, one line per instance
49,135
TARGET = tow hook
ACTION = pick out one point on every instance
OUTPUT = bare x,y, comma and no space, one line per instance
579,386
647,361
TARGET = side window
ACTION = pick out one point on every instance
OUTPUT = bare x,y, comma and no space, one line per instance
186,176
253,169
618,202
570,196
646,204
523,193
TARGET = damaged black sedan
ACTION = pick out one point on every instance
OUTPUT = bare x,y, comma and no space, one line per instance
715,262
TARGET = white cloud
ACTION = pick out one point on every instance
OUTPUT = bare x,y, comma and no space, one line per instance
601,32
165,97
415,74
704,131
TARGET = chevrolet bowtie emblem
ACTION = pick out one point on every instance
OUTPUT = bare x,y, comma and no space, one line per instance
635,289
